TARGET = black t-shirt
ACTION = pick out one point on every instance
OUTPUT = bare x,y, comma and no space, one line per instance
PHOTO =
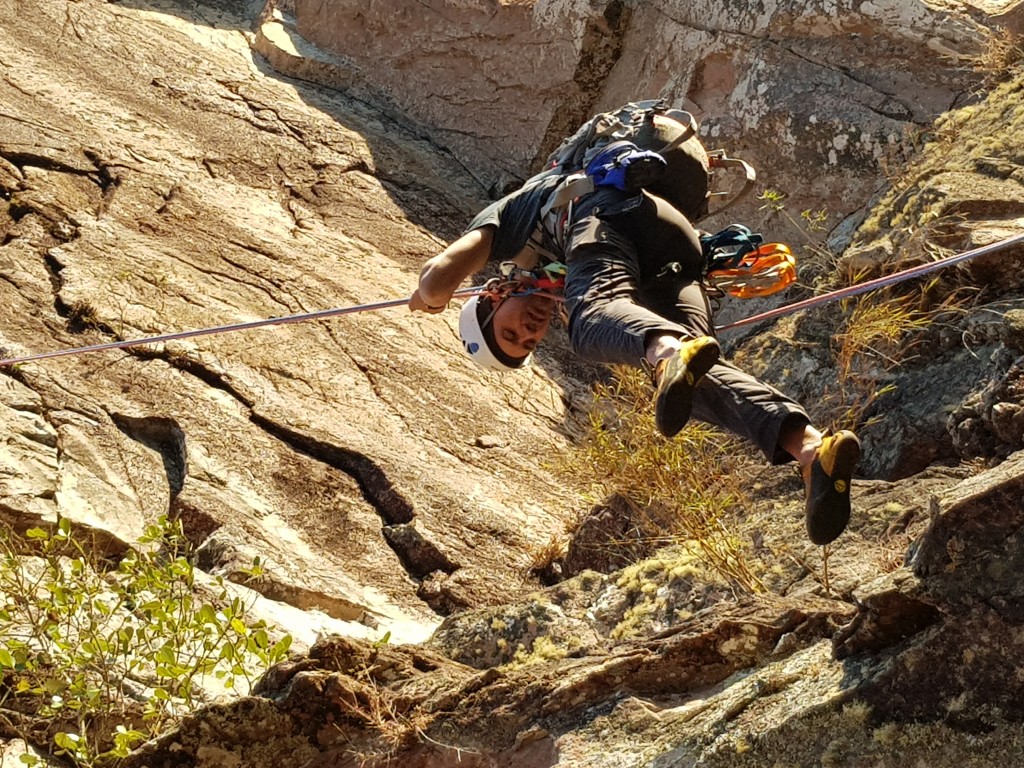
517,221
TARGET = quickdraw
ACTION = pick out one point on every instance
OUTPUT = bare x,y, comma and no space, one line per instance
741,264
766,270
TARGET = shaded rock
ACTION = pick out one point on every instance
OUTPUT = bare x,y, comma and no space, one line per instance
490,715
1013,329
989,421
609,537
973,546
444,593
758,673
418,554
887,613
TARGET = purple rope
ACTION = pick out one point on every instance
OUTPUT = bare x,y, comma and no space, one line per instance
871,285
814,301
300,318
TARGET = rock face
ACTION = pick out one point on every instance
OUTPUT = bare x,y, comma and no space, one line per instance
156,174
192,190
792,87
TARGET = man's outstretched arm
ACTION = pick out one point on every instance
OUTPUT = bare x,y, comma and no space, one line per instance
443,274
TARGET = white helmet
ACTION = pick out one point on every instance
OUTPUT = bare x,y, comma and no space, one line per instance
477,334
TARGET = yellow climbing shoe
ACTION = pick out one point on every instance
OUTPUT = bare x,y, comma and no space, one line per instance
827,486
676,378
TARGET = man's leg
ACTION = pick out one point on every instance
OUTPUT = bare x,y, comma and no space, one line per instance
738,402
726,396
607,321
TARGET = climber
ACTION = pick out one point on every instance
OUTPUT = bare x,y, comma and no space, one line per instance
634,294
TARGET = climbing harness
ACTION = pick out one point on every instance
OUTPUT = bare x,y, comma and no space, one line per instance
842,293
548,280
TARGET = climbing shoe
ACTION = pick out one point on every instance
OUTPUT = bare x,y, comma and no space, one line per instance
827,486
676,377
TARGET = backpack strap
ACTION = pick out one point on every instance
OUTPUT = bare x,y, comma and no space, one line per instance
718,159
687,120
572,186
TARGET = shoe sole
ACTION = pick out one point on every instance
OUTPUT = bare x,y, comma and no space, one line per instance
674,407
834,513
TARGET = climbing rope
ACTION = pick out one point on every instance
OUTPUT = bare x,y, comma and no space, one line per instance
814,301
300,318
872,285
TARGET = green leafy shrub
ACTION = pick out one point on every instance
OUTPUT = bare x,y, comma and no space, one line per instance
98,656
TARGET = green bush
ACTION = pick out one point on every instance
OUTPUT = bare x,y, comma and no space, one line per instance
98,656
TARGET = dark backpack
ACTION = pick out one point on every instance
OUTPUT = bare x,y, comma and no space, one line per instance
642,145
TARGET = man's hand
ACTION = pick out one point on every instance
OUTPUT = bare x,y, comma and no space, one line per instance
417,304
442,275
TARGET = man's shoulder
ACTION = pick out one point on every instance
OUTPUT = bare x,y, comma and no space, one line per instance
515,216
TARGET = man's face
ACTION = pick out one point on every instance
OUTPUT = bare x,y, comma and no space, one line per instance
520,322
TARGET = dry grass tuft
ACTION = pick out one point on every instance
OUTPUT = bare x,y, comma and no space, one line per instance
82,315
881,333
686,488
1002,54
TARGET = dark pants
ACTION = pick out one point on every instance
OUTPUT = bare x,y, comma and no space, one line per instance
635,272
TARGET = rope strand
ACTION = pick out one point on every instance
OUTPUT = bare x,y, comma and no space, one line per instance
871,285
814,301
177,336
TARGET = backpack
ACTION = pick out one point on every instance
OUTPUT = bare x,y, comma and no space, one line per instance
642,145
645,145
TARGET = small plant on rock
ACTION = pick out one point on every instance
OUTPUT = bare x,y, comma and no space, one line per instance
82,315
98,656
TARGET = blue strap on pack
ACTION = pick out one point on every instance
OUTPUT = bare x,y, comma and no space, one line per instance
625,166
